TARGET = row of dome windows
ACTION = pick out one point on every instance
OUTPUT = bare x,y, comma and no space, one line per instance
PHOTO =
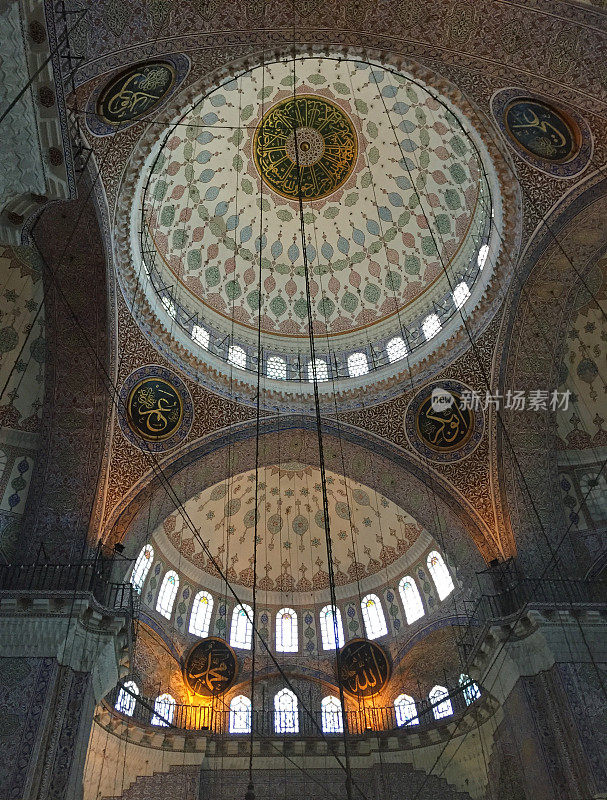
287,639
286,710
358,363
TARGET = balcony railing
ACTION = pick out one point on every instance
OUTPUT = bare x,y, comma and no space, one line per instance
268,722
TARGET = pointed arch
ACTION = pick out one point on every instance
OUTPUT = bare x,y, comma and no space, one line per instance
405,710
440,702
164,710
470,689
286,712
286,631
330,618
240,714
241,631
126,702
332,718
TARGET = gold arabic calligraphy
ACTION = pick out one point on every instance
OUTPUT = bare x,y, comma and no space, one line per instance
210,668
154,409
540,130
364,668
136,92
447,429
305,146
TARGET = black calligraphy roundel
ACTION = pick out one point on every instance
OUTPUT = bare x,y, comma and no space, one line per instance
365,668
444,422
154,409
541,130
210,667
135,92
305,145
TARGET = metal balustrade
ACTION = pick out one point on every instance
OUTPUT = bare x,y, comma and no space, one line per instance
268,722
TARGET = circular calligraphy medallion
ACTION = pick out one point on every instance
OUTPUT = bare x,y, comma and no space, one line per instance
156,407
313,133
210,667
135,92
442,422
541,130
365,668
556,141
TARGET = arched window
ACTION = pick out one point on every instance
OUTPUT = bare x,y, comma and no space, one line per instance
241,632
277,368
319,368
164,708
201,336
460,294
237,356
142,567
373,616
126,702
431,326
286,717
440,575
357,364
327,628
406,712
332,720
286,631
482,255
396,348
441,705
200,618
412,601
167,594
240,714
470,689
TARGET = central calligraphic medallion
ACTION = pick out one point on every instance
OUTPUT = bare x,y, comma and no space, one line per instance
309,132
365,668
210,667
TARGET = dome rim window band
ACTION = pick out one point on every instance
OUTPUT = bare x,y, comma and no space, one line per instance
379,361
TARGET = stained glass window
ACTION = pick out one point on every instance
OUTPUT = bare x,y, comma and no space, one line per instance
332,719
440,574
327,628
142,567
164,708
200,618
286,717
167,594
412,601
241,632
441,705
286,631
240,714
126,702
373,617
470,689
406,712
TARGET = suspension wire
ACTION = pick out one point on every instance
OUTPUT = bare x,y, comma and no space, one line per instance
323,478
250,794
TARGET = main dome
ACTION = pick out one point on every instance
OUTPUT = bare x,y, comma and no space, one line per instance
362,178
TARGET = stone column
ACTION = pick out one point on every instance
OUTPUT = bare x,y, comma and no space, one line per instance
60,653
